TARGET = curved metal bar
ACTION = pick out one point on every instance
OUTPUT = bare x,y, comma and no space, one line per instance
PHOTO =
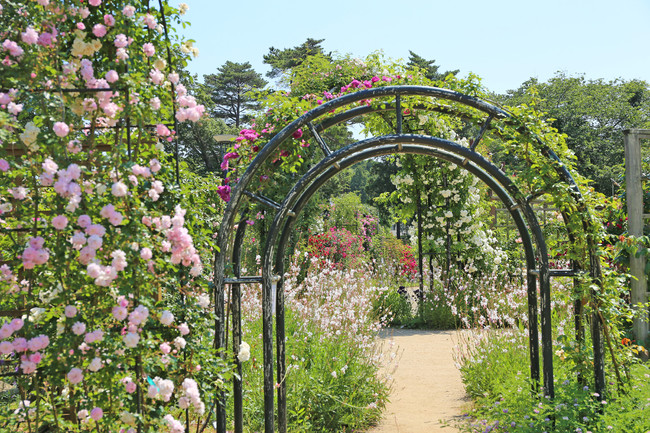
368,109
459,154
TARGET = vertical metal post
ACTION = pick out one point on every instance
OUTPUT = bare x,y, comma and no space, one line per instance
280,337
267,349
219,343
547,330
398,114
235,301
420,258
533,333
634,195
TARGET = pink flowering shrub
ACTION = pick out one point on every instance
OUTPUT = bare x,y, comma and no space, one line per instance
102,254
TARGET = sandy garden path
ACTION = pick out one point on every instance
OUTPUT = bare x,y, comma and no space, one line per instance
427,388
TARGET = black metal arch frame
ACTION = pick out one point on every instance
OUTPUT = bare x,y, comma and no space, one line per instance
287,212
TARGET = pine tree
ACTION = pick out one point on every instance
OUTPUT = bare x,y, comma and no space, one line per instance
281,61
229,90
429,67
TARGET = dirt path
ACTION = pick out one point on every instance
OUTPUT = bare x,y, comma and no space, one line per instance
427,387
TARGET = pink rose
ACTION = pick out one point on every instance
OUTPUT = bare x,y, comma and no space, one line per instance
121,41
79,328
61,129
130,387
84,221
70,311
59,222
119,189
146,253
112,76
75,376
97,413
99,30
183,329
30,36
148,49
95,2
162,130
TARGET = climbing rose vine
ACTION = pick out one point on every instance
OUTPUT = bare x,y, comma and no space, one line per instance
101,289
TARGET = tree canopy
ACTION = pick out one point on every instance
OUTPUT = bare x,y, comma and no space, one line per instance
593,114
283,60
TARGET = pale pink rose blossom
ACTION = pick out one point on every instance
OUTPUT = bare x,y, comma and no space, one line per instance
59,222
99,30
166,318
119,189
112,76
70,311
75,375
119,313
79,328
146,253
155,103
128,11
121,41
148,49
131,339
97,413
61,129
29,36
95,364
184,329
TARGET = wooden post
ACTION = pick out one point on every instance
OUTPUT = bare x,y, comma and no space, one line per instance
634,190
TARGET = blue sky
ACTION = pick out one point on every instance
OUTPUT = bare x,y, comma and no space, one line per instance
505,42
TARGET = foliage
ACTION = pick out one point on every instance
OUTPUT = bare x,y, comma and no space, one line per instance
495,373
394,260
105,254
540,154
394,307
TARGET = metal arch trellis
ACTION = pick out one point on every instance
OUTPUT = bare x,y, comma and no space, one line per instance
286,214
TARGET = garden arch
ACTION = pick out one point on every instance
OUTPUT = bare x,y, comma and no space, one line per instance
286,214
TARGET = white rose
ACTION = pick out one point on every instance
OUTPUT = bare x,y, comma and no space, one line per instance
131,339
244,352
166,318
